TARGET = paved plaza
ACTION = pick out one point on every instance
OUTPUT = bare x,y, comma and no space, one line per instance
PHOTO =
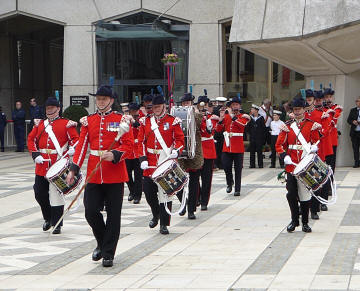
240,243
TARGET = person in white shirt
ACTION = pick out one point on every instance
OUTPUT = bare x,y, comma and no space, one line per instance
275,126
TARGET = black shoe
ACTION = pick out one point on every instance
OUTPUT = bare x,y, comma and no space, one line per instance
203,207
260,167
191,215
96,255
282,167
228,189
46,225
130,197
107,263
324,207
315,216
252,167
153,222
306,228
164,229
355,166
136,201
237,194
57,230
272,166
183,212
292,225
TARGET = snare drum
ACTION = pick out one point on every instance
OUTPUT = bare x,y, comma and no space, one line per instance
312,172
188,126
57,174
170,177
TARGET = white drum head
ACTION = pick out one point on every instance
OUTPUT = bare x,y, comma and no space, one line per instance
303,163
57,167
162,168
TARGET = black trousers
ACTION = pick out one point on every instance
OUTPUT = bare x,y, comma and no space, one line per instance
2,141
218,147
293,199
331,160
355,140
273,152
19,132
106,233
134,184
206,174
157,209
256,147
228,159
194,190
41,190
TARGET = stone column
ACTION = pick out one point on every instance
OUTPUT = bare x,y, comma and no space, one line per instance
79,59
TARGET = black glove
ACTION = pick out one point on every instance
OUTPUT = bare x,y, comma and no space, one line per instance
136,124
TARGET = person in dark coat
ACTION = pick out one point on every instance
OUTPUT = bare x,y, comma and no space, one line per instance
35,111
18,116
218,136
2,129
354,121
257,130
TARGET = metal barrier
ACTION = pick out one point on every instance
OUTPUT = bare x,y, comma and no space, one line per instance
9,133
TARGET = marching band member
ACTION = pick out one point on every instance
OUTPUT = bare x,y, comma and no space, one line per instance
219,138
290,149
335,111
208,146
107,185
232,124
146,108
47,141
275,126
316,113
159,134
257,129
133,163
192,166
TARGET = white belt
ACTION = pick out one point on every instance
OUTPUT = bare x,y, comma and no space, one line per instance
48,151
298,147
235,134
155,151
207,138
97,153
136,140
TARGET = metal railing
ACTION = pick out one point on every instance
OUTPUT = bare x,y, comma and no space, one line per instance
9,135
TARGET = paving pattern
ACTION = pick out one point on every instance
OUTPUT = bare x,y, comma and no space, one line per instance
240,243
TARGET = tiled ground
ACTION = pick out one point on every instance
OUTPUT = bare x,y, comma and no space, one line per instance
240,243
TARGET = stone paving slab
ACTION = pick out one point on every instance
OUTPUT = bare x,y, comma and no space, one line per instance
238,244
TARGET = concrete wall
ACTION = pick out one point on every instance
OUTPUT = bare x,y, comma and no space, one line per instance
79,75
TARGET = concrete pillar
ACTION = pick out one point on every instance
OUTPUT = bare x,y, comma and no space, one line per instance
204,59
347,89
79,63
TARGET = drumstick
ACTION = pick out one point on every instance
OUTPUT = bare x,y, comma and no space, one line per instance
87,181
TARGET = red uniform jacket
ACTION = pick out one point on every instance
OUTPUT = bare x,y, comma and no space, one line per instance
287,141
135,153
321,117
207,138
337,110
234,125
38,139
170,130
100,130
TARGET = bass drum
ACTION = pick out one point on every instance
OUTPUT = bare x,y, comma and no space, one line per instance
188,126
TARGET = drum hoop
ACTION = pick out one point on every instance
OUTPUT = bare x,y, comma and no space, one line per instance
173,160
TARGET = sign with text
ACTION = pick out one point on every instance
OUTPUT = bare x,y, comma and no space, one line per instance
79,100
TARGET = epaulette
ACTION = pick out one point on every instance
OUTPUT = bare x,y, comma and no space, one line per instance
338,107
71,123
177,120
283,127
83,120
246,116
316,126
37,122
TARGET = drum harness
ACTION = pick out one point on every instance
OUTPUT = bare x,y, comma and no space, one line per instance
163,197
